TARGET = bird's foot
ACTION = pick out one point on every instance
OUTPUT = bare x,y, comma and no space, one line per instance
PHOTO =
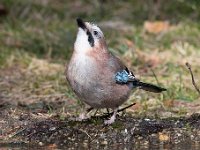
110,121
112,118
83,116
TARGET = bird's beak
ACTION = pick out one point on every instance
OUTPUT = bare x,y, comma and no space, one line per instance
81,24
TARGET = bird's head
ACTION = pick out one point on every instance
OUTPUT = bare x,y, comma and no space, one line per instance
89,37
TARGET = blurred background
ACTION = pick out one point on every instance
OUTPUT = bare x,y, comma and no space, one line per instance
155,38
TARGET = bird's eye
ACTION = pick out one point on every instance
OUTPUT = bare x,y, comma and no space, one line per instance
95,33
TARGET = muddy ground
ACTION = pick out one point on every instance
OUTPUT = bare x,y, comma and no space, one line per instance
22,127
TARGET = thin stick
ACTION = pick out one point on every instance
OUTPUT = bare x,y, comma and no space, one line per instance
122,109
89,109
96,112
155,76
193,81
126,107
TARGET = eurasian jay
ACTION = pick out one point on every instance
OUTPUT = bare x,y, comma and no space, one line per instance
96,76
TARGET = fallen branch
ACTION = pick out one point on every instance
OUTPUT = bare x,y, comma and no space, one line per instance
193,81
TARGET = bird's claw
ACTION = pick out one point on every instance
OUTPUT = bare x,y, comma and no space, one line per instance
110,121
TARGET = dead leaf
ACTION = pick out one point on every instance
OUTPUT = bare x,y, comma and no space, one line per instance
169,103
152,59
156,27
163,137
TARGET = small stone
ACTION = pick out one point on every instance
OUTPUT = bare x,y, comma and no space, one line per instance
104,142
41,144
52,128
126,131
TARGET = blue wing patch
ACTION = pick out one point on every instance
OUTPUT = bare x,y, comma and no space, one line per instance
124,76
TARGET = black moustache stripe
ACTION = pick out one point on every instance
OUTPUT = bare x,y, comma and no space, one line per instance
90,38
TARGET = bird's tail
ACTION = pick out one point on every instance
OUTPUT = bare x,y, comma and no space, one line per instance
149,87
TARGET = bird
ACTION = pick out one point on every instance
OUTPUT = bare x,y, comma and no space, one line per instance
99,78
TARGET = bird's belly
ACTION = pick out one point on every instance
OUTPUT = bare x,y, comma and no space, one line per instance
101,94
95,88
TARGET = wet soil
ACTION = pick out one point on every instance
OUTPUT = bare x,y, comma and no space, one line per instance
38,129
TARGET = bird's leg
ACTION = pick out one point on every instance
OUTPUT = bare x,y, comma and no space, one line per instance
84,115
107,109
89,109
96,112
112,118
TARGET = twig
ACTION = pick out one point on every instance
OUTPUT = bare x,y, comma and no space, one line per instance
155,76
122,109
126,107
193,81
85,133
16,133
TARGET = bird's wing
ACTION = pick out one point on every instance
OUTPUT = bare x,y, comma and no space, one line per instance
125,76
122,74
